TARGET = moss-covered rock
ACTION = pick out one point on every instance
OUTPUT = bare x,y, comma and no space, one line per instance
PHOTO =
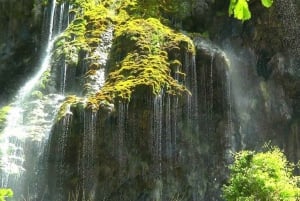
145,53
82,34
144,61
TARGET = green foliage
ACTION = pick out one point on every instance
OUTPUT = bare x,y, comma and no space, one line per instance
267,3
5,193
44,81
157,8
145,53
261,176
240,8
70,101
83,33
3,115
140,60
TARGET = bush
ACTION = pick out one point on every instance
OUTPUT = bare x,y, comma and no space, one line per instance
5,193
261,176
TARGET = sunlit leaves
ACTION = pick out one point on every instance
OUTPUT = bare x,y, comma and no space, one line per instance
5,193
261,176
240,8
267,3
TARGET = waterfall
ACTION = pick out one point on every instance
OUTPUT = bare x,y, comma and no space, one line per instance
156,145
58,169
229,137
28,125
61,150
191,84
241,95
254,103
52,12
120,138
168,134
157,133
63,78
95,81
89,154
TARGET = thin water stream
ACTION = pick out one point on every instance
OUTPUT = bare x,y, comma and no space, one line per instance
28,125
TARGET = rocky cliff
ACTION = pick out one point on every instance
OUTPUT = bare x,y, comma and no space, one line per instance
157,94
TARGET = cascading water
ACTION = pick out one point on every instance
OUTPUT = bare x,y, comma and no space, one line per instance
250,100
96,81
240,95
89,156
156,135
84,156
28,125
157,132
191,84
120,138
164,147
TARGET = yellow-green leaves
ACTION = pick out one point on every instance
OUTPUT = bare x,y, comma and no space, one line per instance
5,193
267,3
3,115
240,8
261,176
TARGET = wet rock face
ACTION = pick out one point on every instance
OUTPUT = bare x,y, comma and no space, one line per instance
19,44
245,92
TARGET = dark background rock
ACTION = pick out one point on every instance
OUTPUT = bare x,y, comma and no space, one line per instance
20,37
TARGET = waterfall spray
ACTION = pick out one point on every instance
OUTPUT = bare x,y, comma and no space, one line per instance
28,125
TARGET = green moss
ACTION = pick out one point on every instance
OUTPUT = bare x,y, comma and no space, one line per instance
140,58
70,102
83,33
45,79
145,53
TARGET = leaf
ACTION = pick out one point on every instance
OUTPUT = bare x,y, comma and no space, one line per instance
241,10
231,7
267,3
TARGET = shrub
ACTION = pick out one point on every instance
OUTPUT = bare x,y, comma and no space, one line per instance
262,176
5,193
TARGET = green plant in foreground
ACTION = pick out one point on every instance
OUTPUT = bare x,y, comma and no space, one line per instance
265,176
240,8
5,193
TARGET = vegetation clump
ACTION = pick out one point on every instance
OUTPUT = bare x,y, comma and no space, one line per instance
240,8
70,101
3,115
83,34
145,53
261,176
5,193
140,58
